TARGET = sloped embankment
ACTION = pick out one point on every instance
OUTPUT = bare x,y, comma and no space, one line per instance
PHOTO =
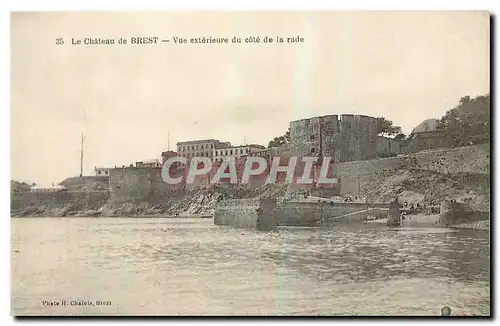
431,188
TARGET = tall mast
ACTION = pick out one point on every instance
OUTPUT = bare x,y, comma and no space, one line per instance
168,149
82,140
81,156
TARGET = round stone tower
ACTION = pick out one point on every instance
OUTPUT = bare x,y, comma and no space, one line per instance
343,137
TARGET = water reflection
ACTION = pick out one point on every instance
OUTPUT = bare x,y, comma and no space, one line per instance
190,266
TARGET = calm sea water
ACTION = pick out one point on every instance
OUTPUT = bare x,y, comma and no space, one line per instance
192,267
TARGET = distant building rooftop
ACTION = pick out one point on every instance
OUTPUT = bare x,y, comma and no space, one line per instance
150,161
250,145
196,141
426,126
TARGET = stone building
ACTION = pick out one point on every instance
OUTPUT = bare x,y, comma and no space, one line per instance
153,163
236,152
214,149
387,147
200,148
426,135
343,137
101,172
166,155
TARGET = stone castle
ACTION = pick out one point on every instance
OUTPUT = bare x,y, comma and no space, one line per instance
343,137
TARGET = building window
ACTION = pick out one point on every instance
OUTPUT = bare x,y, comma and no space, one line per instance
313,137
231,152
98,172
313,150
106,172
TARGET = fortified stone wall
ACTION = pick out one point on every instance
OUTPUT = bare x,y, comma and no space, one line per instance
308,214
261,214
360,216
344,137
146,184
79,200
356,176
136,185
424,141
387,147
472,159
246,213
456,213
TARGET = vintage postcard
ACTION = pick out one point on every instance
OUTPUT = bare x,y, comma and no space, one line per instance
271,163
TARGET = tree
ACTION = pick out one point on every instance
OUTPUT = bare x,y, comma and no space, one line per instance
387,127
281,140
468,123
277,142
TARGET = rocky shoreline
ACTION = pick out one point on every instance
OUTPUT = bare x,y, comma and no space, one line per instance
202,208
199,202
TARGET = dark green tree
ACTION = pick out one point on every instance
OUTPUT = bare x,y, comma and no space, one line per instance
277,141
281,140
386,126
468,123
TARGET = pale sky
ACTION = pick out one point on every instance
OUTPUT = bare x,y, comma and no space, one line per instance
405,66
